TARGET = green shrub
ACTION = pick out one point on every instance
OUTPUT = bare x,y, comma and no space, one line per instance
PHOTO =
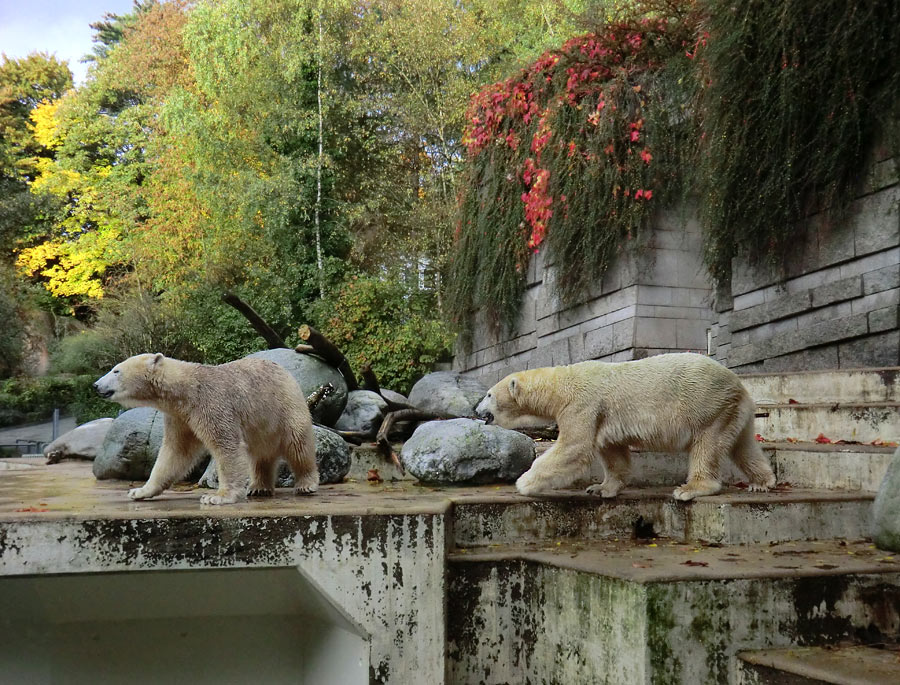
388,324
85,352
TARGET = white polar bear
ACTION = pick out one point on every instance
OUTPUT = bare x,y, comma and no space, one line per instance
248,413
677,402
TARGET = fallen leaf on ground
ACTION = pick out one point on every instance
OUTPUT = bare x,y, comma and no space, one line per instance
33,509
760,438
882,443
792,401
373,476
822,440
691,562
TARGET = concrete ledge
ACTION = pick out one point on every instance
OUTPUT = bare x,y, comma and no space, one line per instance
849,665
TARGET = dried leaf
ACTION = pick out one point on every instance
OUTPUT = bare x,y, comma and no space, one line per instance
822,440
691,562
373,476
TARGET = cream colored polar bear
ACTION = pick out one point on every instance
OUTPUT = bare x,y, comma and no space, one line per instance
679,402
247,413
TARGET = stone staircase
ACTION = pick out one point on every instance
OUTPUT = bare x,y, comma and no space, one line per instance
740,588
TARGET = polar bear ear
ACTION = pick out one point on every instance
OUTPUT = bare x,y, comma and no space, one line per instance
514,387
155,359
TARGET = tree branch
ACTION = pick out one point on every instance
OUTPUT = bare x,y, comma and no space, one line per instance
273,340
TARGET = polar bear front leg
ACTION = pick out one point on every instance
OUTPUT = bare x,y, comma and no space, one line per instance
233,468
617,466
558,467
179,451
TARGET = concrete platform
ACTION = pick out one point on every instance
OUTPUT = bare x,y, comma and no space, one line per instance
838,665
429,584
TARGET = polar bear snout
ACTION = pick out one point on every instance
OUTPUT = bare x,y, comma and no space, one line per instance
107,385
483,410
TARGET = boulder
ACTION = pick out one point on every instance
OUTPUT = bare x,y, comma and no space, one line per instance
364,412
394,396
82,442
886,510
130,446
464,451
332,456
448,392
312,373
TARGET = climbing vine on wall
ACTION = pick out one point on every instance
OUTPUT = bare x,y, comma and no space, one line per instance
794,93
575,151
762,111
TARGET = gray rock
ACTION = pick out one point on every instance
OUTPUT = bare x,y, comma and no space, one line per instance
364,412
312,373
886,510
446,391
131,445
332,456
466,451
394,396
82,442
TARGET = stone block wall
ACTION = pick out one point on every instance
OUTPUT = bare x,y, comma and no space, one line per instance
652,300
837,305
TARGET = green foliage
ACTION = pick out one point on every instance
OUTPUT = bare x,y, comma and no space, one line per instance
84,352
13,302
34,399
795,92
388,324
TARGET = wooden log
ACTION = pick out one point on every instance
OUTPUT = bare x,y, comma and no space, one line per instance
330,353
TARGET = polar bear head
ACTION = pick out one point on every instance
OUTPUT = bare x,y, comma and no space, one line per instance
133,382
511,403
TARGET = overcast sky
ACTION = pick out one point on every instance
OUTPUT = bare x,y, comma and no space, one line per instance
59,27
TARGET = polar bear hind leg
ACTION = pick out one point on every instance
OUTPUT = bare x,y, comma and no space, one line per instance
703,467
617,467
749,458
262,482
300,453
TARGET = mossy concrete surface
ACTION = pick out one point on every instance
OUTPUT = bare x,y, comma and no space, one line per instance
658,611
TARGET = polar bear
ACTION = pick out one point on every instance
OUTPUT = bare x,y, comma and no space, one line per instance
248,413
679,402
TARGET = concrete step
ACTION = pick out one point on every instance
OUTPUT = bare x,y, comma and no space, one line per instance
860,422
733,517
840,665
655,611
845,386
802,465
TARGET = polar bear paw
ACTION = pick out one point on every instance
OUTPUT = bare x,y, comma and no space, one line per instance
141,493
762,487
530,485
693,489
606,489
220,498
